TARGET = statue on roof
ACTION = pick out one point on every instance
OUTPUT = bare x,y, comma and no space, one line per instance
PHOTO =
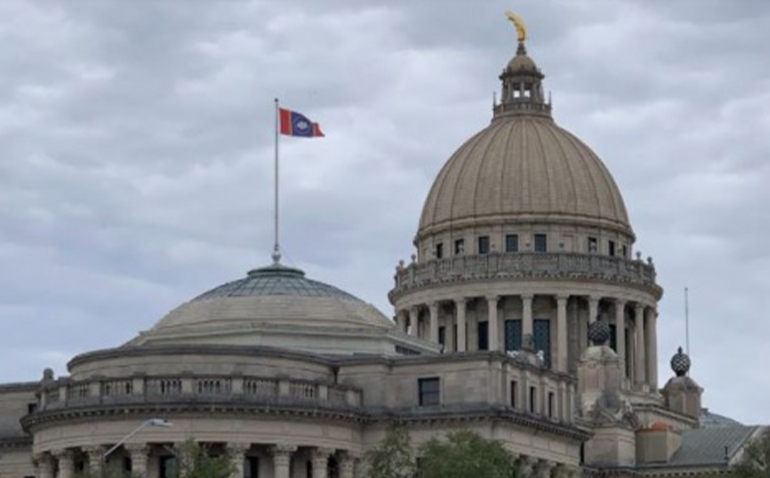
521,29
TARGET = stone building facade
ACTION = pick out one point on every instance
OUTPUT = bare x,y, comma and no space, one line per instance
524,315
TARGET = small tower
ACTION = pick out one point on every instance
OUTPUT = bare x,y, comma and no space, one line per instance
681,393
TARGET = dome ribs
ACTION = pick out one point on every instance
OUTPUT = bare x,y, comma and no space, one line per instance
486,192
508,185
551,193
434,212
571,199
461,187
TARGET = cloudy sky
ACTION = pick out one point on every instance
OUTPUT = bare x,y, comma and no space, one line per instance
136,154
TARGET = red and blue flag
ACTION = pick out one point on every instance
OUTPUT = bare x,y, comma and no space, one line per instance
295,124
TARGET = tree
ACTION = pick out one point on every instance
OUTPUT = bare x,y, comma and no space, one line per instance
392,458
195,461
755,462
462,454
465,454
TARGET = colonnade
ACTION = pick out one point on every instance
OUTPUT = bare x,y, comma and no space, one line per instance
567,317
64,463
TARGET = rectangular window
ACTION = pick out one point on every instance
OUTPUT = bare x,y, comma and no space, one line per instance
551,403
541,243
625,251
532,399
482,329
512,243
613,337
440,250
31,407
611,245
483,244
541,335
459,247
429,391
514,393
592,244
442,335
512,335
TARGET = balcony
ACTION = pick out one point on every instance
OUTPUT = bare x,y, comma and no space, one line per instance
526,266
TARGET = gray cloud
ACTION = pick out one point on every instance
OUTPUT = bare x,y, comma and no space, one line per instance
136,149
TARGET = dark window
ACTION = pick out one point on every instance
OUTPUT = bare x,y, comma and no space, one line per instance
541,243
625,251
551,400
252,467
484,245
541,333
167,467
309,469
512,243
512,335
332,468
429,391
612,247
514,393
442,335
532,399
483,335
127,465
592,244
439,250
31,407
459,247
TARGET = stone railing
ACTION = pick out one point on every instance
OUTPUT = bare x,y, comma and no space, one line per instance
525,265
64,393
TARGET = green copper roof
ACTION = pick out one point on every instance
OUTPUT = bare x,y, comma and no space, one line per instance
276,280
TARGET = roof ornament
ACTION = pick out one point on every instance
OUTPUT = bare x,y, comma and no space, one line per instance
680,363
518,23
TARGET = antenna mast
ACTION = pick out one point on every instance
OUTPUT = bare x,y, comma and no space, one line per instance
687,319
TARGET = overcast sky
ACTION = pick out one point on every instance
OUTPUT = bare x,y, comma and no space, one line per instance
136,143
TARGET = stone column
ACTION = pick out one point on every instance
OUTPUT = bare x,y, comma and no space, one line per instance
66,462
525,465
561,333
400,320
526,315
320,459
414,319
652,347
433,308
45,465
639,360
95,461
237,452
620,331
139,458
282,460
461,328
493,323
542,469
347,465
593,308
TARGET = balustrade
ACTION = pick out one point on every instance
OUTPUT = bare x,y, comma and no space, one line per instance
149,389
525,265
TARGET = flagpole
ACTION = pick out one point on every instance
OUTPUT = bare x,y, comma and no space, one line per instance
276,247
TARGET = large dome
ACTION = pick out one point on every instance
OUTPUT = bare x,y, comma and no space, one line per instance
278,306
523,167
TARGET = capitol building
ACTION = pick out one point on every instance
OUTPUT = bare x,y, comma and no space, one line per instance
525,315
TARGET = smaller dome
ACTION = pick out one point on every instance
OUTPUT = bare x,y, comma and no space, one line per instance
599,332
680,363
522,63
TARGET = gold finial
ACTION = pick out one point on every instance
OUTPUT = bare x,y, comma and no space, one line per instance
521,29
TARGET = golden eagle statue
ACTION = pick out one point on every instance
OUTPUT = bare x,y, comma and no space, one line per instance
521,29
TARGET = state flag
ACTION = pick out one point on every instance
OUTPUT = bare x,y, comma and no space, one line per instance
295,124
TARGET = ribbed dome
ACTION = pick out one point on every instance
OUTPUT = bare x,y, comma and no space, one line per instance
523,166
270,297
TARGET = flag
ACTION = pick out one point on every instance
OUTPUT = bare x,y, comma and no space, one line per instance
295,124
